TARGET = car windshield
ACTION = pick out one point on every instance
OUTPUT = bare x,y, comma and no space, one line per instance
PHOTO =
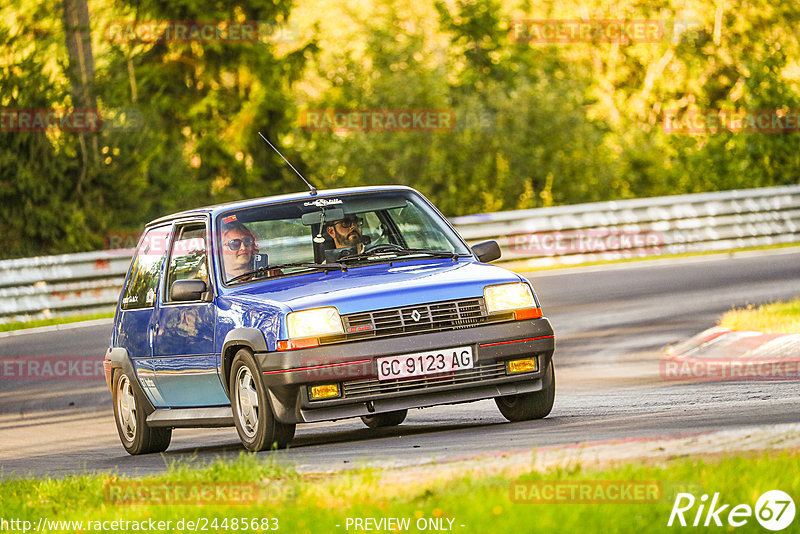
332,232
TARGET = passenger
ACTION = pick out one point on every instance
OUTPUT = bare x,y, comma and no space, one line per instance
239,245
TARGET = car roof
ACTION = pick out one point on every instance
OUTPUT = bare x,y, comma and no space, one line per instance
215,209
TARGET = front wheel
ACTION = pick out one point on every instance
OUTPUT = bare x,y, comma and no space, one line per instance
527,406
131,420
384,419
256,424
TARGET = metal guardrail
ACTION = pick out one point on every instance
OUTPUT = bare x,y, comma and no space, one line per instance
34,288
90,282
642,227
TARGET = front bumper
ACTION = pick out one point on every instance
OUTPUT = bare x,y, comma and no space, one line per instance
352,365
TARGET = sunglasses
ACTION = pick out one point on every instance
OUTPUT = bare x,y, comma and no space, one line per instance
236,244
350,222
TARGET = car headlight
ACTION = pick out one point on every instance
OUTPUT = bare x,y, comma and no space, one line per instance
507,297
314,323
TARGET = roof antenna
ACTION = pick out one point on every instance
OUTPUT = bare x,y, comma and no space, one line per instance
313,189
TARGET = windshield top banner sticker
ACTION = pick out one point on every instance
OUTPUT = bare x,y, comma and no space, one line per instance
322,202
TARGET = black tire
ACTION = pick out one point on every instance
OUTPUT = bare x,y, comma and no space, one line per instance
256,424
527,406
131,419
385,419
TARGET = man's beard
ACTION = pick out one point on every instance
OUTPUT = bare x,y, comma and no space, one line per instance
350,239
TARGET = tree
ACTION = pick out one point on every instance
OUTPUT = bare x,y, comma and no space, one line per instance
80,72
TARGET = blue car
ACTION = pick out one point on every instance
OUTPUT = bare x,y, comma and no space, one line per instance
317,306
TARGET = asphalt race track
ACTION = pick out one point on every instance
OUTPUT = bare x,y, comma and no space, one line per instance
611,325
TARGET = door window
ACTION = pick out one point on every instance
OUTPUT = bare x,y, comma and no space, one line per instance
188,256
140,291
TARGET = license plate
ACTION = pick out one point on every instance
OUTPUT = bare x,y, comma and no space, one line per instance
425,363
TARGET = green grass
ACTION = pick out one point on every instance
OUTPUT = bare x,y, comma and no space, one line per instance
6,327
775,318
316,504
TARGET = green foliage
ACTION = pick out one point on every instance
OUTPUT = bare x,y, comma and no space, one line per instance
198,107
536,124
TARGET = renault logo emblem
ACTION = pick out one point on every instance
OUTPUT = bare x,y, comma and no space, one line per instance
416,316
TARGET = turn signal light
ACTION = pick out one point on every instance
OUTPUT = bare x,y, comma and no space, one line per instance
292,344
529,313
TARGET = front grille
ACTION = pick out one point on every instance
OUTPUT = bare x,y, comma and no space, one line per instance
355,389
432,317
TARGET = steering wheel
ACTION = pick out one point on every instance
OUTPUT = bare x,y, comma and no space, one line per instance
383,247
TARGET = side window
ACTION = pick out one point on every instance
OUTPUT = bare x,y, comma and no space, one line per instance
140,292
187,260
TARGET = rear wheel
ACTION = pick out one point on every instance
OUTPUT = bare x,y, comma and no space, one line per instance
131,420
256,424
385,419
527,406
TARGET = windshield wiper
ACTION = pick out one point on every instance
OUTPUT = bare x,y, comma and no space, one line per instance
264,270
397,251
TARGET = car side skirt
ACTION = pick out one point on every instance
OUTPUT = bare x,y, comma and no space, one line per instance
209,417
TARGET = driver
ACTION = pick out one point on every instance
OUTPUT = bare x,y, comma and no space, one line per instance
347,233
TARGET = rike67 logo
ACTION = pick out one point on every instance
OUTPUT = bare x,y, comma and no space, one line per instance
774,510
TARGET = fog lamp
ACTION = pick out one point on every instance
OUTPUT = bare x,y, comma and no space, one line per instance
527,365
325,391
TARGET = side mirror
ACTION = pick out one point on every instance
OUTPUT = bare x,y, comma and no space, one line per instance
187,290
487,250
